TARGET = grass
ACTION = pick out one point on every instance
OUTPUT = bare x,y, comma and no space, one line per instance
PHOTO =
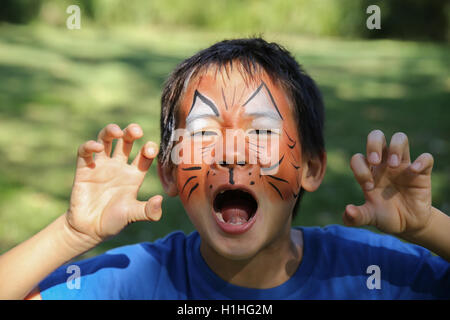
60,87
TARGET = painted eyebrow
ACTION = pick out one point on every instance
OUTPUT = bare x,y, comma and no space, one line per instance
191,119
263,85
206,101
264,114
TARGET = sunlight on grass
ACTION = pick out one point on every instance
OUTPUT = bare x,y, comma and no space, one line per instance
24,212
59,88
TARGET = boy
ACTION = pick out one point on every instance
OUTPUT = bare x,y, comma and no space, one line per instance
240,200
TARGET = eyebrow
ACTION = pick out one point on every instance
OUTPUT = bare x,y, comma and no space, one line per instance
191,118
206,101
264,114
263,85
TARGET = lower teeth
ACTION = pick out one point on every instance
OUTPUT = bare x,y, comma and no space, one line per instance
219,215
233,220
236,221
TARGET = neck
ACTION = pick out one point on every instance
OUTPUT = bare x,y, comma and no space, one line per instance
280,259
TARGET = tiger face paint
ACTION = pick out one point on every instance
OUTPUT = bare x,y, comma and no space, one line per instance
247,190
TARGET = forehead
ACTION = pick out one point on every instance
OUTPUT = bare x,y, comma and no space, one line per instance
228,87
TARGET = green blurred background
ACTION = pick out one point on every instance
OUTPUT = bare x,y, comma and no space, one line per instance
59,87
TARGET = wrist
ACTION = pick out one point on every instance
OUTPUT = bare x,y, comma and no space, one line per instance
418,234
24,266
74,240
435,235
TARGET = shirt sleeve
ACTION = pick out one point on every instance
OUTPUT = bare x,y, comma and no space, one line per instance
127,272
405,270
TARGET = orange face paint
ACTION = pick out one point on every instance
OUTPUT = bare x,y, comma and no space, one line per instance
236,190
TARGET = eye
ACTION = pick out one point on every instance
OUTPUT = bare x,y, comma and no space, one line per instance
261,132
204,133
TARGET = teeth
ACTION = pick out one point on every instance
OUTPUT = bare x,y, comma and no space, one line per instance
236,221
222,191
219,215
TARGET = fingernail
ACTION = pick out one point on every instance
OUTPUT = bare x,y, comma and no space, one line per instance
393,160
416,166
156,205
368,186
373,157
150,151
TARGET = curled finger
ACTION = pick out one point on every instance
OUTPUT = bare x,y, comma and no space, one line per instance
106,136
398,150
423,164
362,172
145,156
376,147
86,152
124,145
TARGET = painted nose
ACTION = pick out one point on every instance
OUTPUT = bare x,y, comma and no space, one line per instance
231,165
232,158
234,150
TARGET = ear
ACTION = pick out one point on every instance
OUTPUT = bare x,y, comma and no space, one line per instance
167,175
313,172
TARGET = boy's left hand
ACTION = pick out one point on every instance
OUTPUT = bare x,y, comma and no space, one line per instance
397,192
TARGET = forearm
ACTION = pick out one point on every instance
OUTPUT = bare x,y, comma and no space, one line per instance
24,266
436,236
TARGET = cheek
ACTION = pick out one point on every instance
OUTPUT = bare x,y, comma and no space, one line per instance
284,183
189,182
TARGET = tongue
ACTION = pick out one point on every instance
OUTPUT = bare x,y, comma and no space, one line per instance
235,212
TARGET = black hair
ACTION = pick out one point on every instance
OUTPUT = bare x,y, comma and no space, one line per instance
252,54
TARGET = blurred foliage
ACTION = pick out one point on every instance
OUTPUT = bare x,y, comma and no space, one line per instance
403,19
19,11
59,87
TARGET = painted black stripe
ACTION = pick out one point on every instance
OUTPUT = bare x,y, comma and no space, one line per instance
273,186
292,146
191,168
187,181
253,95
234,94
192,190
224,100
254,150
256,145
276,178
274,166
292,140
273,100
296,167
231,176
208,102
210,146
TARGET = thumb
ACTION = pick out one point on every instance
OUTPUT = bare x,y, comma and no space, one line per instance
355,216
147,210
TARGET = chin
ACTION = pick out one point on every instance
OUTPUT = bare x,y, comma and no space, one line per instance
236,249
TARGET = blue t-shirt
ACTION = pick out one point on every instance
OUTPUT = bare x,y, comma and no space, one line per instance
338,263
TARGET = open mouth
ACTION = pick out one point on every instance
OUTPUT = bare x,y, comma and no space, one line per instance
235,207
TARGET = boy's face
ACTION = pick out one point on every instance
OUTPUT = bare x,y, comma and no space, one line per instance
238,200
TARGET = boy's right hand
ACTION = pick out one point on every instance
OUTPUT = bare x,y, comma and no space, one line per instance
103,199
